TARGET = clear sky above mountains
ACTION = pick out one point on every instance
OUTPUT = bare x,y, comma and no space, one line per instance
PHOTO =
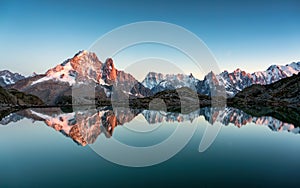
37,35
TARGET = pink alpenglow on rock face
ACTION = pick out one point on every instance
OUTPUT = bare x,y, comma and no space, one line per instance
83,67
109,71
86,67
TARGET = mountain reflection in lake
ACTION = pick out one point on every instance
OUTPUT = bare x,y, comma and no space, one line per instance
85,125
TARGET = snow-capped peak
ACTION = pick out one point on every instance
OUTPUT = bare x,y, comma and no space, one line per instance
83,67
9,78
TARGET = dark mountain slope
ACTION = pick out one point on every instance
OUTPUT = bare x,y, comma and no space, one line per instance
13,97
285,92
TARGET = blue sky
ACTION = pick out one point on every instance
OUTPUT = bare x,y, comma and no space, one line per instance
37,35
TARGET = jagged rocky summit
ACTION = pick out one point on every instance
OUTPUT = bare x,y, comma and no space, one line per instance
83,72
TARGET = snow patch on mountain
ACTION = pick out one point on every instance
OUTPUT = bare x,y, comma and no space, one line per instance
64,75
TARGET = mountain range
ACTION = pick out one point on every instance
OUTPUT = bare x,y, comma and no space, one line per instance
85,75
233,82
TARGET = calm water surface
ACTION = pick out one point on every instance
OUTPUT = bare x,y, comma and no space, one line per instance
40,149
